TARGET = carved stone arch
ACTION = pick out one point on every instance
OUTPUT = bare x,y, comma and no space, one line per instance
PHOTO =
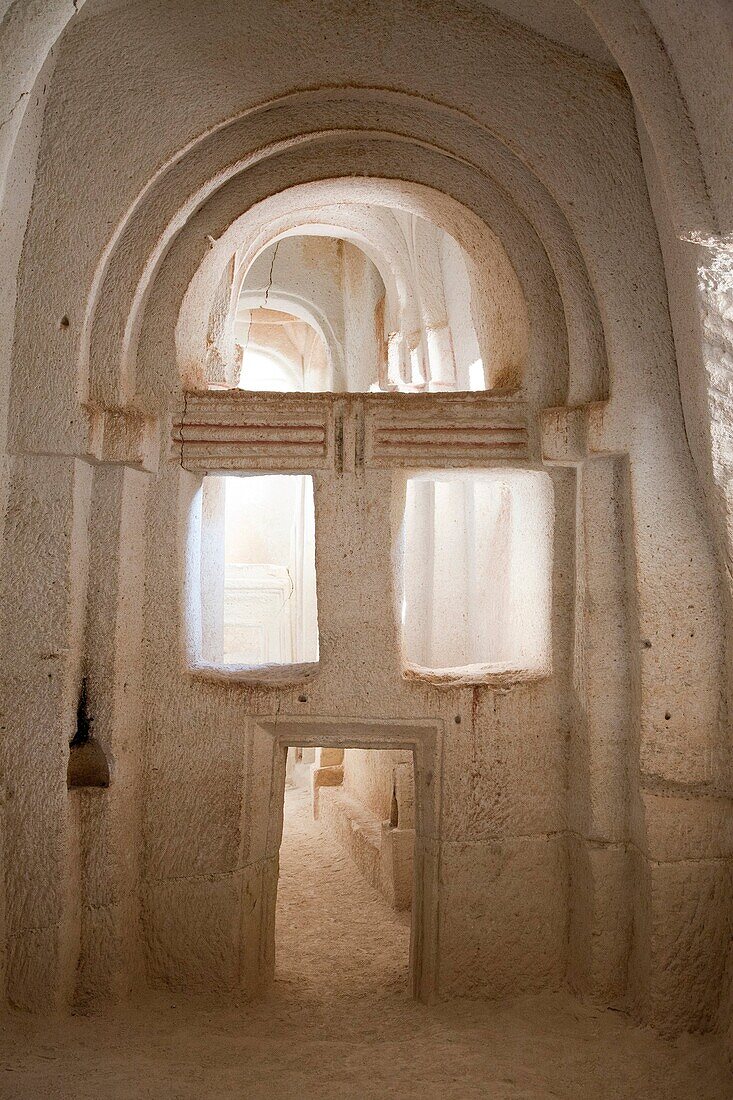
466,226
360,225
379,234
636,45
310,313
124,274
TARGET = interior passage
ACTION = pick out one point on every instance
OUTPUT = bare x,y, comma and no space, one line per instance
336,938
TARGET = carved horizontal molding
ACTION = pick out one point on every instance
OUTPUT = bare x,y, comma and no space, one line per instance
234,430
238,430
432,430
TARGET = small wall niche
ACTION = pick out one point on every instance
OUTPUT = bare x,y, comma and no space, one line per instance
88,765
476,568
257,574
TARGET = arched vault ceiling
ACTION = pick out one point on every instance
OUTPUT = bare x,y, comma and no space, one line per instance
562,21
559,20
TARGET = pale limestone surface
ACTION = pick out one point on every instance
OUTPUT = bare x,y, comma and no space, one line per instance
312,1038
371,813
572,827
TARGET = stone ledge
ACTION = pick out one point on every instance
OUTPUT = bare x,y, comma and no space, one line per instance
465,675
262,675
383,854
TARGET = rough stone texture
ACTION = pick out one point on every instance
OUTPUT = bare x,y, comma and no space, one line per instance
312,1037
371,811
576,827
48,509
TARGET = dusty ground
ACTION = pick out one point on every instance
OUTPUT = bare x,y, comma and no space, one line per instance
339,1023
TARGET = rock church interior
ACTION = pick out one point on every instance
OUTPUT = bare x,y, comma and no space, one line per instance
366,549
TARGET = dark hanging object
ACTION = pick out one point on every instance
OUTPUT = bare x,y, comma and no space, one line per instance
83,721
88,765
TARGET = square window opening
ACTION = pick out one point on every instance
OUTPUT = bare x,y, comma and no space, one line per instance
476,576
258,599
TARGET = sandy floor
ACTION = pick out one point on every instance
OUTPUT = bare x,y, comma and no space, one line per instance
339,1023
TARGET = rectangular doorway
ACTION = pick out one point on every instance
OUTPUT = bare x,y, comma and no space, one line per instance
345,874
418,742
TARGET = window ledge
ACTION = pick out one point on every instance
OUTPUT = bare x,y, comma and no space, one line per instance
274,675
495,675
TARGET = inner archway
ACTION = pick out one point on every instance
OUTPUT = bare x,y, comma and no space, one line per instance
397,302
279,352
392,275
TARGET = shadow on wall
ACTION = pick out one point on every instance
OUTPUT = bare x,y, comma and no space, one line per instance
88,765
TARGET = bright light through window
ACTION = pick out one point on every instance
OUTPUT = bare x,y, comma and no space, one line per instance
258,571
476,380
261,371
477,571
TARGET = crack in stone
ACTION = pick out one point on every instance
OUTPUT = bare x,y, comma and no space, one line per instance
11,112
